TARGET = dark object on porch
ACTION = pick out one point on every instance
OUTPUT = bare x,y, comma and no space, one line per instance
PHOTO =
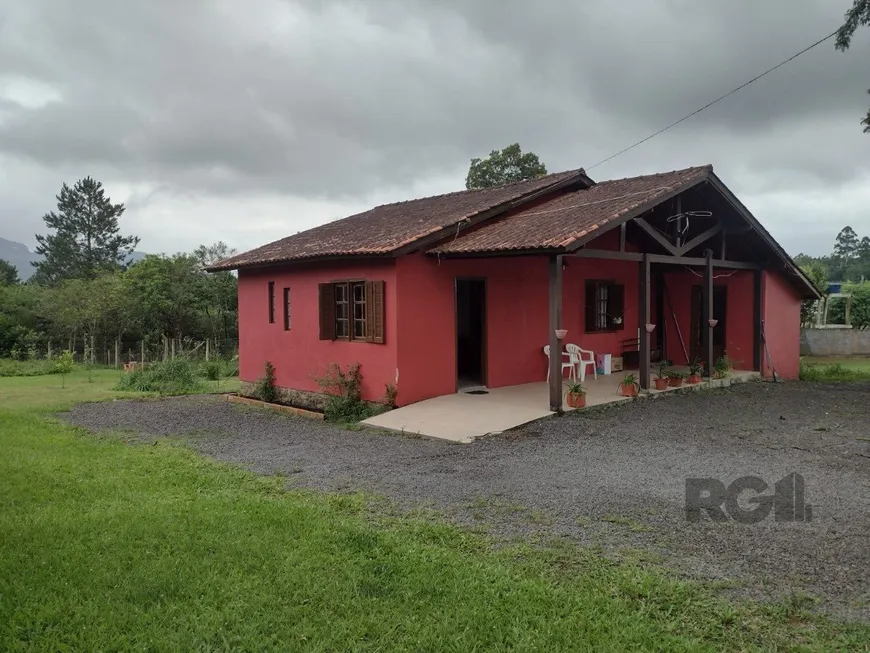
631,354
477,392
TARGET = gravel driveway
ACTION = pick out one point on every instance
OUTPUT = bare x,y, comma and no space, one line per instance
614,478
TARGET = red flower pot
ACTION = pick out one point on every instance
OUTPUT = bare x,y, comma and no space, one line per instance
675,382
693,379
576,401
627,390
661,384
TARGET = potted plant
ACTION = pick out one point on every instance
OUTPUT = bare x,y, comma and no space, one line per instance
696,369
675,379
629,386
576,394
661,380
722,367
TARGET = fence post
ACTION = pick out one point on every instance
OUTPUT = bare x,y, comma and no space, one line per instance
206,349
49,350
117,350
143,351
173,349
165,348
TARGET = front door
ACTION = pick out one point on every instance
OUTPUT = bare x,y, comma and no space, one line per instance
699,322
470,333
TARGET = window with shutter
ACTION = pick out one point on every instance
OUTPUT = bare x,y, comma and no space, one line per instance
271,302
604,306
352,310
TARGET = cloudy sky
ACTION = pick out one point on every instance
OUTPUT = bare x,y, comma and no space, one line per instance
248,121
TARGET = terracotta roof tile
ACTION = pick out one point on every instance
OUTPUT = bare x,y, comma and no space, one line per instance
573,215
384,229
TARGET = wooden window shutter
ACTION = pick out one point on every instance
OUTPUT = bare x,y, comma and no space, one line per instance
286,309
327,311
616,307
589,301
271,302
375,311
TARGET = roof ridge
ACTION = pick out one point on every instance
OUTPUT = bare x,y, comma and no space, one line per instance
574,171
707,166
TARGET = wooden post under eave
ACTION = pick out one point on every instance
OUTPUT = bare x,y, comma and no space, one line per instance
644,313
707,329
555,343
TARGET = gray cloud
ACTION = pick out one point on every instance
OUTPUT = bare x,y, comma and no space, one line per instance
294,112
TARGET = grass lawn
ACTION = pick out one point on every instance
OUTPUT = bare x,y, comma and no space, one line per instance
832,369
111,546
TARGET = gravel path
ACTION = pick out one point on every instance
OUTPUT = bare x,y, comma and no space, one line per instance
613,478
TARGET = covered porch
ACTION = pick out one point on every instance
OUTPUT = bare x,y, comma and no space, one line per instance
465,416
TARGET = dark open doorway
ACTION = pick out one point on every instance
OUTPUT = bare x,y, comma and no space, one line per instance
699,322
470,333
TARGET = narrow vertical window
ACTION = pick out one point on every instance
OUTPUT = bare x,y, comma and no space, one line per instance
286,309
359,311
271,302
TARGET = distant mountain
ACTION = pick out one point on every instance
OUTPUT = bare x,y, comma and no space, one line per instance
19,256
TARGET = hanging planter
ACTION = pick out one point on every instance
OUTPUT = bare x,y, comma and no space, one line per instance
712,323
561,333
650,328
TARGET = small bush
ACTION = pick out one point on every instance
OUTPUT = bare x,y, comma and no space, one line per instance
172,377
63,366
265,389
345,403
212,370
390,394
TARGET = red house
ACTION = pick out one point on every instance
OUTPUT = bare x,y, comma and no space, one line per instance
466,288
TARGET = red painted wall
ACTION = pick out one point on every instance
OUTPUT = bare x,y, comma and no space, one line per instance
782,318
299,356
517,318
739,307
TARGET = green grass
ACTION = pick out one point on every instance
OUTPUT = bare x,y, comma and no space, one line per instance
111,546
834,370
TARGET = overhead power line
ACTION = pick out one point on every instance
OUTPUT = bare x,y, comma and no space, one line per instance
718,99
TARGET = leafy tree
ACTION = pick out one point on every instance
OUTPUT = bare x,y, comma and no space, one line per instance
816,273
846,245
87,240
64,366
208,254
857,16
8,274
504,167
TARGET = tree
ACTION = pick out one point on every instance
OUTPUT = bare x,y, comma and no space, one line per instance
87,240
64,366
846,245
857,16
8,274
504,167
816,273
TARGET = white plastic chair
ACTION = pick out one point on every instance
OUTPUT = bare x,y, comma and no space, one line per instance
569,365
577,358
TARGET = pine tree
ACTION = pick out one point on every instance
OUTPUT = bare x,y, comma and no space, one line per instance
87,239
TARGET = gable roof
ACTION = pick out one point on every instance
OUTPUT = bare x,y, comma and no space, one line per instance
387,229
571,216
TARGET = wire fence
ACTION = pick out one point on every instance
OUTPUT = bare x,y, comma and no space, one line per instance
118,352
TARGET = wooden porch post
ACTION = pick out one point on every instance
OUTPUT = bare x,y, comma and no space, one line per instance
555,343
756,321
707,329
644,313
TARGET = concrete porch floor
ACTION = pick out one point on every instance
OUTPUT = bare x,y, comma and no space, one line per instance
462,417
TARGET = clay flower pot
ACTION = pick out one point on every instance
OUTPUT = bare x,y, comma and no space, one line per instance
693,379
661,383
576,400
628,389
675,381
